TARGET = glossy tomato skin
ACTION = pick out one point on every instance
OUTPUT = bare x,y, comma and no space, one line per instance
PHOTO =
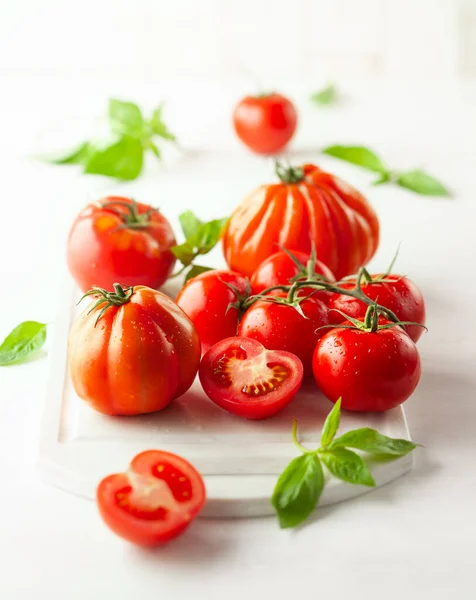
322,210
397,293
241,376
103,249
370,371
137,358
265,123
279,269
281,327
206,298
154,501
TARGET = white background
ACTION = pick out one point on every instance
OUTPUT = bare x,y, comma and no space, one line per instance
407,70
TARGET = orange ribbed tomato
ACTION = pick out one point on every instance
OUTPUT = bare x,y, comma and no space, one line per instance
132,352
308,206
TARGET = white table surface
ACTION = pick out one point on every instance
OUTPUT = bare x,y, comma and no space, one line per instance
415,537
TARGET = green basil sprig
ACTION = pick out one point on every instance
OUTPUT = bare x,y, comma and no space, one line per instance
326,97
22,342
300,485
415,180
122,156
200,238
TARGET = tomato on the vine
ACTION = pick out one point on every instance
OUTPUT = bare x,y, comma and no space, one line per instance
212,301
285,266
132,352
241,376
291,327
154,501
395,292
118,239
373,368
308,208
265,123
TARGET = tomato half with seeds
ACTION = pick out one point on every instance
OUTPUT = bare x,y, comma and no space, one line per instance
154,501
395,292
212,300
118,239
241,376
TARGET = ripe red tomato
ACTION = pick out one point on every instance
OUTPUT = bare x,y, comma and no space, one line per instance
117,239
397,293
280,268
265,123
281,327
308,207
133,352
208,298
244,378
371,371
154,501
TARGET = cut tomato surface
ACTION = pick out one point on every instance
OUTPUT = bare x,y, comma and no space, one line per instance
154,501
241,376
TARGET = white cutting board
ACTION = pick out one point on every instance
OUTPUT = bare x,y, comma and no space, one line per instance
239,459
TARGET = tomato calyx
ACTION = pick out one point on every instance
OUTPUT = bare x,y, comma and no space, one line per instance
291,299
120,296
131,218
288,175
240,303
306,271
370,323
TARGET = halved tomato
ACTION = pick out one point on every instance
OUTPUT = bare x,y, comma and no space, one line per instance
241,376
154,501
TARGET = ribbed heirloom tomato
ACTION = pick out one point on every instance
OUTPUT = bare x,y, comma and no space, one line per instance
118,239
132,352
308,207
395,292
212,301
154,501
265,123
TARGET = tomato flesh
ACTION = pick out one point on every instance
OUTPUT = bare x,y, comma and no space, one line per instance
154,500
244,378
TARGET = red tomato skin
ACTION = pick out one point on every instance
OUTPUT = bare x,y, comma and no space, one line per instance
281,327
149,533
322,210
279,269
401,296
231,398
205,299
265,123
372,372
102,251
137,358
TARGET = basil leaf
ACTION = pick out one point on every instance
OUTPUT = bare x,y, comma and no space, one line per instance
125,118
357,155
26,338
207,235
190,223
122,159
420,182
373,442
326,96
331,424
158,126
348,466
196,270
298,490
150,145
185,253
75,157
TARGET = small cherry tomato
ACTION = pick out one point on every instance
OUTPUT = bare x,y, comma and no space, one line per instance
282,327
280,268
241,376
265,123
371,371
118,239
132,352
154,501
397,293
212,301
